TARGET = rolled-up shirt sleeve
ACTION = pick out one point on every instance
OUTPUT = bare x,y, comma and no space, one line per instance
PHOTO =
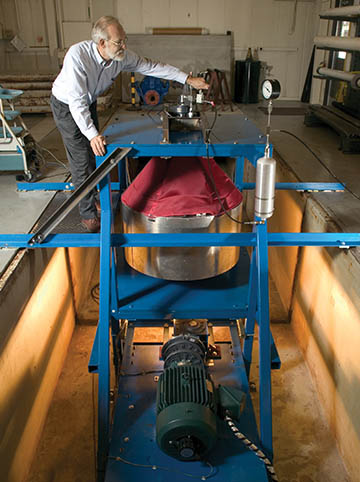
135,63
78,96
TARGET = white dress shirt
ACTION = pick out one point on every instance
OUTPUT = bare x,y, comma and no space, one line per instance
85,75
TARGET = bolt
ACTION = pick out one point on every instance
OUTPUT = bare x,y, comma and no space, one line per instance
156,378
131,407
126,439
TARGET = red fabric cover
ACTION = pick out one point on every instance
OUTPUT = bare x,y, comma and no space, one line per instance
180,186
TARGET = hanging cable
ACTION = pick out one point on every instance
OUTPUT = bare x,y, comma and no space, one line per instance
225,211
251,446
167,469
321,162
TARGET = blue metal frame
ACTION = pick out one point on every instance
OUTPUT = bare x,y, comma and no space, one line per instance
145,138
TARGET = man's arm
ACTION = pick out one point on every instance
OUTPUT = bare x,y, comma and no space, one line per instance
135,63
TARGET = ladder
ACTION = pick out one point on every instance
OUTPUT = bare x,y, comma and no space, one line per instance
16,146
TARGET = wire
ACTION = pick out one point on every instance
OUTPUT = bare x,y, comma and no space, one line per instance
226,212
168,469
321,162
209,131
251,446
52,155
148,372
95,293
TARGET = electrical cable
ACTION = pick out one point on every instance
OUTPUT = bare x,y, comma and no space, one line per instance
41,148
225,211
168,469
251,446
95,293
148,372
318,158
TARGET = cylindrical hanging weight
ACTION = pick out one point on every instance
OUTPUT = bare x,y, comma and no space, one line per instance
265,187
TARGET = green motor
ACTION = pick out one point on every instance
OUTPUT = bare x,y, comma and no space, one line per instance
186,401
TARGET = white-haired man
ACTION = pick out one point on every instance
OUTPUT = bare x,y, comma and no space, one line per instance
89,68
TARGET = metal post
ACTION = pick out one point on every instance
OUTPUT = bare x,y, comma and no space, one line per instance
104,320
239,172
250,319
264,338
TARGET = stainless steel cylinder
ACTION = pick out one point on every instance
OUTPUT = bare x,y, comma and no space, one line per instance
181,263
265,187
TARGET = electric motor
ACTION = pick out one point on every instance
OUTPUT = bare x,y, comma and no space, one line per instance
188,405
186,401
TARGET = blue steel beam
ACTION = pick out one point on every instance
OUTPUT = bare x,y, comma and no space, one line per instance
103,328
340,240
115,186
301,186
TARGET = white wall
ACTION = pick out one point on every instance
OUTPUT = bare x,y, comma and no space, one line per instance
262,24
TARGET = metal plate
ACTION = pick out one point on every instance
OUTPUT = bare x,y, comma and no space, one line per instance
144,297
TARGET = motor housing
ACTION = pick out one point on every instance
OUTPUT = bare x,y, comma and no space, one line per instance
186,401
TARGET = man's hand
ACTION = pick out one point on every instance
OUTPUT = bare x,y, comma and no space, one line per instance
197,82
97,144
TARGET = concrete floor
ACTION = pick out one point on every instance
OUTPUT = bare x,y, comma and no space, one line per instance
304,448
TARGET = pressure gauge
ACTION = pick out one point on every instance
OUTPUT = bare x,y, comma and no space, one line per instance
270,89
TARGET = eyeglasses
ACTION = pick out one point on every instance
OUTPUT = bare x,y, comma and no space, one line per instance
120,43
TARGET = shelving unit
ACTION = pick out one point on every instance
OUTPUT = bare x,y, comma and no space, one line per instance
344,120
16,144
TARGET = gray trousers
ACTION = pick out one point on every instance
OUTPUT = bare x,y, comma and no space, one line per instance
79,153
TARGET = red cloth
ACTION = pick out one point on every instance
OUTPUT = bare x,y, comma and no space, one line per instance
180,186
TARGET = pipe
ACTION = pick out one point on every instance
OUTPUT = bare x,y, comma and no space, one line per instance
354,79
177,31
338,43
341,12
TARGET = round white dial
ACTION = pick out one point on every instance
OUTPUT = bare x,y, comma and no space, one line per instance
270,89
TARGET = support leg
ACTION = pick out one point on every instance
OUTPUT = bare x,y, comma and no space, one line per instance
104,318
264,339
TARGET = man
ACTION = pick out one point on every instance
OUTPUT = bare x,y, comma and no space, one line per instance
89,68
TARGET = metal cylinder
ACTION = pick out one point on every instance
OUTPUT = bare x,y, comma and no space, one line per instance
181,263
352,10
338,43
354,79
265,187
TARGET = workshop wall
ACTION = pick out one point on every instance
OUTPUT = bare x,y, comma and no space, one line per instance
282,34
39,307
37,321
